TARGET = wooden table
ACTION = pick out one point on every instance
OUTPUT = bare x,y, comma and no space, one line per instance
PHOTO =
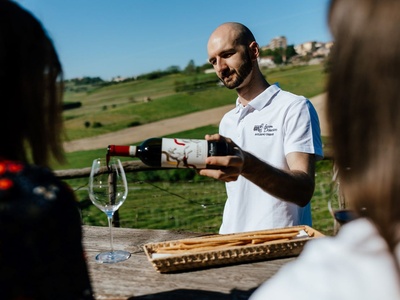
136,278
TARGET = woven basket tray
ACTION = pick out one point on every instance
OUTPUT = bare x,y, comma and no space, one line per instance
226,256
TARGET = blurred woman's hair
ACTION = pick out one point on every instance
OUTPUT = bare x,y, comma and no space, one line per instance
31,89
364,108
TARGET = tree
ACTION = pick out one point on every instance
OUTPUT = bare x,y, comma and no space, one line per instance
290,52
173,70
190,68
280,55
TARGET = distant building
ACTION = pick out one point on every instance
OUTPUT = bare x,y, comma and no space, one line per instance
118,79
209,71
279,42
314,49
266,61
323,50
305,48
276,43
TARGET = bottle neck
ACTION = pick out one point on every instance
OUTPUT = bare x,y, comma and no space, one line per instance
117,150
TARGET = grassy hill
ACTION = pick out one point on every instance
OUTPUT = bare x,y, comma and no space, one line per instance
109,108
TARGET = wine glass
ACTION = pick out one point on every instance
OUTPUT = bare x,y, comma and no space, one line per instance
108,189
340,213
337,203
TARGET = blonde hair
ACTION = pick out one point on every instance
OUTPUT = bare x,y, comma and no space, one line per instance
364,108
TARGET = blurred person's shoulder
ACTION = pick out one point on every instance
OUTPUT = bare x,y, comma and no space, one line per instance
26,186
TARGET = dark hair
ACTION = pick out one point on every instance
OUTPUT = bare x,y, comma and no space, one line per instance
31,89
364,108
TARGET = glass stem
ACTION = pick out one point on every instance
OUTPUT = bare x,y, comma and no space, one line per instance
111,233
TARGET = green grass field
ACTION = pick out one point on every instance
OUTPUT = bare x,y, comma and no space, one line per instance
174,199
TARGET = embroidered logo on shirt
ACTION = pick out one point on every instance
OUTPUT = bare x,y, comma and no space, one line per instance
264,130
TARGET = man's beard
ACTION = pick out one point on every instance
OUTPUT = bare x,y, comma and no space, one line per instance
241,74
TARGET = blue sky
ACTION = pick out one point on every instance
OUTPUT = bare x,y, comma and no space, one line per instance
109,38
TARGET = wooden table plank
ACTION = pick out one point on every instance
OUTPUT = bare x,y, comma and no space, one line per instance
137,279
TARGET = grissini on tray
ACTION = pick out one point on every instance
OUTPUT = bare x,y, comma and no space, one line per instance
217,242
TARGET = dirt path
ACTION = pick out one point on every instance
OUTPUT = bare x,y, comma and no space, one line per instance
169,126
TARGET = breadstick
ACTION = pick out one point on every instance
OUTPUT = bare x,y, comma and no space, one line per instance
263,242
242,237
172,250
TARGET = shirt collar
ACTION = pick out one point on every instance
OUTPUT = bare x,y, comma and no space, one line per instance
261,100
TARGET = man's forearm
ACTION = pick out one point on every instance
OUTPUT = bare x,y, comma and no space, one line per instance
293,186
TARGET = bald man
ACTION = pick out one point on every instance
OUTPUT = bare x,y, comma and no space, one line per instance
270,181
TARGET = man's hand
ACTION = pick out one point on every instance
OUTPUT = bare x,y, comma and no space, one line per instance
228,168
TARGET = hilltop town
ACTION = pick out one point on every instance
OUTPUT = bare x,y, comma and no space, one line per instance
311,52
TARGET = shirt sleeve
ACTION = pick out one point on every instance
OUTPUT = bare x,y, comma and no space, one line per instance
302,129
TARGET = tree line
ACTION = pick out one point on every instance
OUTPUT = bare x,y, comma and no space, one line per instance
279,56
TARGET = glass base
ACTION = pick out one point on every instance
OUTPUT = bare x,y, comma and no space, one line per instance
112,257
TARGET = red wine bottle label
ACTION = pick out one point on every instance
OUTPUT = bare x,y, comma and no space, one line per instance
183,153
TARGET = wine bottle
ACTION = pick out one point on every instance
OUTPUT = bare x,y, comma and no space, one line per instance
172,153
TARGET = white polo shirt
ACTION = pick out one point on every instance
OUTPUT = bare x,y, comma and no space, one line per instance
272,125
